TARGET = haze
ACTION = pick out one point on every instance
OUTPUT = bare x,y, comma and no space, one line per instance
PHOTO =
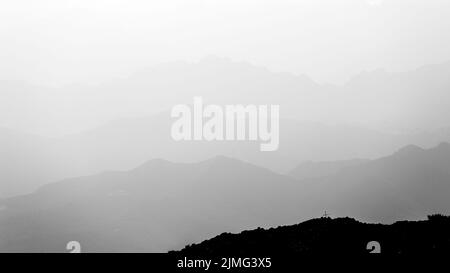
57,42
87,88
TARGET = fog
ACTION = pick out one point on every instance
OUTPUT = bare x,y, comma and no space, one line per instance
87,88
59,41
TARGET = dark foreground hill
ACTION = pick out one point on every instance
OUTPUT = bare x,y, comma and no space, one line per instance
340,236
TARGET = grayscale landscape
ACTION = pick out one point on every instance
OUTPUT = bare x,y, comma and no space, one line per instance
87,89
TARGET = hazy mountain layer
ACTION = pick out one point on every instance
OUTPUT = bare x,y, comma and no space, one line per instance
417,99
33,161
395,103
161,205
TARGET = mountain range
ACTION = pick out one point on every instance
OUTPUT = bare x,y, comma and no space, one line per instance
34,161
398,101
120,124
161,206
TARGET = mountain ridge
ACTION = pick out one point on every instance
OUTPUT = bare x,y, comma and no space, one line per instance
173,204
327,236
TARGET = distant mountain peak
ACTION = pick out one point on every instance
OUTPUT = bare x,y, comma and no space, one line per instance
410,149
413,150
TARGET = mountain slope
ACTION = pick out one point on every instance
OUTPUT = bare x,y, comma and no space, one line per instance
310,169
155,207
161,205
409,184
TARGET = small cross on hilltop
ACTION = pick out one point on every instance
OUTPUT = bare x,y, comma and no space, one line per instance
326,215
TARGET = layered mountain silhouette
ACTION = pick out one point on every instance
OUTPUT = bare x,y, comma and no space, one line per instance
406,100
334,237
409,184
125,143
162,206
409,100
155,207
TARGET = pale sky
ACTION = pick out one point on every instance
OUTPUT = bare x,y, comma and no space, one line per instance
64,41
